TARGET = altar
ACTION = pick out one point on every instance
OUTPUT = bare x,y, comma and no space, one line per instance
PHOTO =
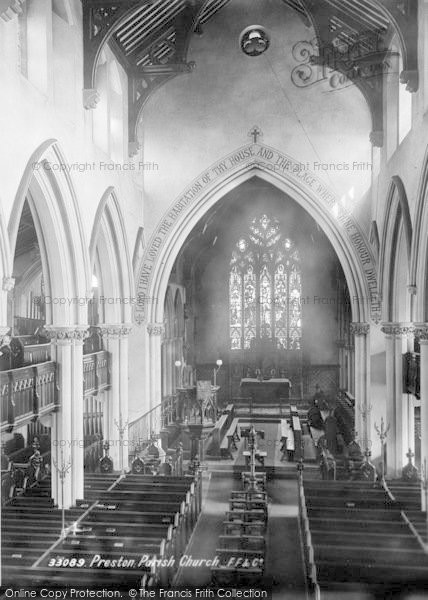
266,390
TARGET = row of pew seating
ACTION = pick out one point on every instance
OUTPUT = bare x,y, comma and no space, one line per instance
358,540
242,547
112,535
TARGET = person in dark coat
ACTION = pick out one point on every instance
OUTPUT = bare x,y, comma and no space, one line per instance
17,350
331,431
5,354
314,416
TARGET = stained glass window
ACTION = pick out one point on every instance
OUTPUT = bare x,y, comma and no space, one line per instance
265,288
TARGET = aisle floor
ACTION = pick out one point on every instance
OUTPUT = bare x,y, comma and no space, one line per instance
284,572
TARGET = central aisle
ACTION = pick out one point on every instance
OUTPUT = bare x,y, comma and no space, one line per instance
270,444
284,572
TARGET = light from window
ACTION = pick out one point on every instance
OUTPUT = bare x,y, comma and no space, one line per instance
265,288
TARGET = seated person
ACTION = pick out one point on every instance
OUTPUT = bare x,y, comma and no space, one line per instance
17,350
6,355
315,419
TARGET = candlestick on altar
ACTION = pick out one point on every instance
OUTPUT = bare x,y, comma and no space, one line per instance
62,472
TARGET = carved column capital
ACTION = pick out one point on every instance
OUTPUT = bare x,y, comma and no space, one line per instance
90,98
421,331
412,289
360,328
156,329
10,8
67,334
115,330
398,328
8,284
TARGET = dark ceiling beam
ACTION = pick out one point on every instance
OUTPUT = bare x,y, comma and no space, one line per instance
151,41
365,69
146,79
100,20
403,15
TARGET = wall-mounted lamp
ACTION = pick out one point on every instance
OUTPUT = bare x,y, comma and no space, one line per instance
218,362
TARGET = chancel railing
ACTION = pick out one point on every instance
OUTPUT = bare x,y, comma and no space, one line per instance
181,407
96,372
140,430
27,393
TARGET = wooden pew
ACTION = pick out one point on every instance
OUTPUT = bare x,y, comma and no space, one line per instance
217,434
260,478
248,495
246,516
231,576
297,432
248,504
111,533
241,528
360,538
239,542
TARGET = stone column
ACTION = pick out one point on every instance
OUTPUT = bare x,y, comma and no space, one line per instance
397,404
362,381
124,392
350,371
8,284
343,381
422,332
155,331
115,338
67,424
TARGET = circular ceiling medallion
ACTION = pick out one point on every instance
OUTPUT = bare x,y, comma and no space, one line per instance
254,40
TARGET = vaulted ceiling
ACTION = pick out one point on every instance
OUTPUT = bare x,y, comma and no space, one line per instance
150,38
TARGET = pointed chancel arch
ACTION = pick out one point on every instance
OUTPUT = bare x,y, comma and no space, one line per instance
395,254
343,232
283,172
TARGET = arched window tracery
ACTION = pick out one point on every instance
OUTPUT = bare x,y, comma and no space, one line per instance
265,288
